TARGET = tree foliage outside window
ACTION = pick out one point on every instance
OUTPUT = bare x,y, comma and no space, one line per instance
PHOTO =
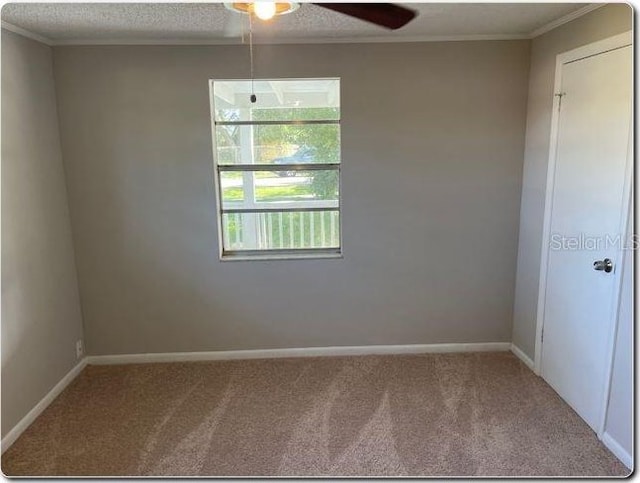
324,138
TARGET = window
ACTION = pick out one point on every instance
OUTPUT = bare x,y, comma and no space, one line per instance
277,167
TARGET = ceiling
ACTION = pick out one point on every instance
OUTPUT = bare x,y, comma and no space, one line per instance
74,23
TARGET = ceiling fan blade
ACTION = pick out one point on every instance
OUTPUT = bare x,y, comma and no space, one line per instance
386,15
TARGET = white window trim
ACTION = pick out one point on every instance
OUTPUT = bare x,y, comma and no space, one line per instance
276,254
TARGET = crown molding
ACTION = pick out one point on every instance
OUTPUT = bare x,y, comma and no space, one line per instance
565,19
26,33
338,40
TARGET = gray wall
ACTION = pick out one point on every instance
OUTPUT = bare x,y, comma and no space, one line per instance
40,304
433,136
599,24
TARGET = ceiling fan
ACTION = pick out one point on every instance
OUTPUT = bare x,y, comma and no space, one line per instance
386,15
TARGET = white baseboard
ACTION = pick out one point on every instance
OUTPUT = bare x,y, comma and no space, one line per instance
31,416
618,450
298,352
522,356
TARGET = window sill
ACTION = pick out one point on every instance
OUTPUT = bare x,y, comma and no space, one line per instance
283,256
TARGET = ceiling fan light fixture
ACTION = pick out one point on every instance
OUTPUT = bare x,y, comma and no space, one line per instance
263,9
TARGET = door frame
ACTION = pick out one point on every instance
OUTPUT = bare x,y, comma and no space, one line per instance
602,46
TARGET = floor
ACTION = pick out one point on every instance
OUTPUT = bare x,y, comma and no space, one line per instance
418,415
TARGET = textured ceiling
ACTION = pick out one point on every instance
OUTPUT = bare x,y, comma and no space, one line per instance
212,22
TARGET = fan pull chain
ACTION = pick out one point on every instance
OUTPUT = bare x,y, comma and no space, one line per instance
253,97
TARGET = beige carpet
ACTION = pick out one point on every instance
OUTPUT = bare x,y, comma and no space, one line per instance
419,415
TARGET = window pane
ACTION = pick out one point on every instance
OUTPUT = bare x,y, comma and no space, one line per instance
232,191
281,230
296,189
294,100
278,144
249,133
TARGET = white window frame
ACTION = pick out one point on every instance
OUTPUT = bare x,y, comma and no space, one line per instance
263,207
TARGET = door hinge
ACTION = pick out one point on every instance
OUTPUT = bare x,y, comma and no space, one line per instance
542,335
560,95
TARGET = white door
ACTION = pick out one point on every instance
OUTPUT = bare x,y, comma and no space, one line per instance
587,213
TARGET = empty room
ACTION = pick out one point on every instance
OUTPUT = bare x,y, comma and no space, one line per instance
317,239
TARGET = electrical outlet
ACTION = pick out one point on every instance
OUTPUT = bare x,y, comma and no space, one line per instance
79,349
